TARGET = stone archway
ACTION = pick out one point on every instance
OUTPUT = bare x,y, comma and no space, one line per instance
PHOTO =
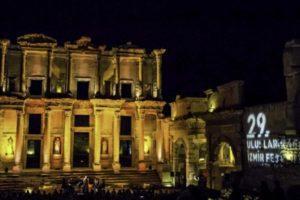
180,163
224,164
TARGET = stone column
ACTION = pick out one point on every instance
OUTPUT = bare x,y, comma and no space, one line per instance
140,69
141,123
67,141
19,142
3,69
159,139
158,56
67,85
47,142
24,73
70,74
166,141
1,129
117,78
49,72
116,140
97,142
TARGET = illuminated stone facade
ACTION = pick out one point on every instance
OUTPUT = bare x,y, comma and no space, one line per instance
208,131
79,106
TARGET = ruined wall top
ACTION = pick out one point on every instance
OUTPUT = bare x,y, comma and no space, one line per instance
41,41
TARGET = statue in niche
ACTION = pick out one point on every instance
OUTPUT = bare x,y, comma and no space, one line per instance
104,145
155,90
147,88
10,147
57,144
146,146
226,155
138,90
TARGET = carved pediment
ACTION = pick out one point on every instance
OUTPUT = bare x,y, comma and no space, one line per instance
84,42
37,40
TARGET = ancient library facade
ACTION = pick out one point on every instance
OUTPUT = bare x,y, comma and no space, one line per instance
79,106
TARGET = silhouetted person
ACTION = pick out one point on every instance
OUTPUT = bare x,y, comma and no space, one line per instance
278,192
103,184
236,192
265,193
293,192
85,187
64,185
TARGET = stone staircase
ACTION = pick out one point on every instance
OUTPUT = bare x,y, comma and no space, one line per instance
36,179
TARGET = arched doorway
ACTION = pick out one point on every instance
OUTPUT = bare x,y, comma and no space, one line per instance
224,165
180,163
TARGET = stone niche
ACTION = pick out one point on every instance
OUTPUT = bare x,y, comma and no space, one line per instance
14,61
8,138
59,74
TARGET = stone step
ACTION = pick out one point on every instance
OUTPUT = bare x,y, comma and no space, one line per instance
35,179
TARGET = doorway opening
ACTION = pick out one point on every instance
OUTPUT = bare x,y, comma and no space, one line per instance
180,163
126,90
81,151
33,158
125,153
83,90
36,87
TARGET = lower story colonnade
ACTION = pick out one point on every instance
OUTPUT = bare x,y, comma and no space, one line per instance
67,134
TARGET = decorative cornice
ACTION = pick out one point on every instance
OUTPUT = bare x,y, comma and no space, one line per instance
150,104
5,100
107,103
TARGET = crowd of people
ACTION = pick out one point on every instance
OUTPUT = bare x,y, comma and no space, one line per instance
124,194
95,189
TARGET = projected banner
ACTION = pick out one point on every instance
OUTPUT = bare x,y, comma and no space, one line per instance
265,149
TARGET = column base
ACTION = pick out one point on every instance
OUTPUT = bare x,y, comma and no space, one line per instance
142,166
116,167
17,168
96,166
67,167
46,167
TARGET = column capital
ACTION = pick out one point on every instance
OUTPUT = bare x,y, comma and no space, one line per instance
98,113
20,113
140,114
159,52
160,115
68,113
117,114
5,42
24,52
141,59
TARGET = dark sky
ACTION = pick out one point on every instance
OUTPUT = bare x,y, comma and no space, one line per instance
208,42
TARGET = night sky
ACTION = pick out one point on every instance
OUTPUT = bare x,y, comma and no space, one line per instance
207,44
